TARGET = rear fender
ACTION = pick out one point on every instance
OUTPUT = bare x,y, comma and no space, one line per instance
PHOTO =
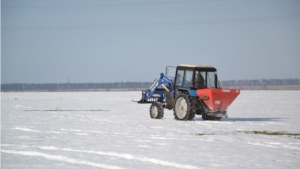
190,91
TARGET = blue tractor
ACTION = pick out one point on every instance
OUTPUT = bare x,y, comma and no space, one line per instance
194,90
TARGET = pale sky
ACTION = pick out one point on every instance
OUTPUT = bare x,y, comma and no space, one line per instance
134,40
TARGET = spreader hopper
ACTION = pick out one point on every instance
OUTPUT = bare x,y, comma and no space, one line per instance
217,99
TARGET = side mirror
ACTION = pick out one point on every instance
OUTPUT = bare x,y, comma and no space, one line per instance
167,71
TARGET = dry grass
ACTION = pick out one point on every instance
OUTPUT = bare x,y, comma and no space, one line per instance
270,133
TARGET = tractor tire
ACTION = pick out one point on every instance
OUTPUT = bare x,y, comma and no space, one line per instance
205,117
156,110
183,108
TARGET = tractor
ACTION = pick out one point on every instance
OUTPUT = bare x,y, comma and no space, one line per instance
195,90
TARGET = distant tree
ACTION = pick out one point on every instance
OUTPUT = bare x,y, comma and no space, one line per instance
135,85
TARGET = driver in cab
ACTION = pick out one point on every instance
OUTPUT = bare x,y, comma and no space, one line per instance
199,80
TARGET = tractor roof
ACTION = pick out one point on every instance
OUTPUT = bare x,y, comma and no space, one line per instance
197,66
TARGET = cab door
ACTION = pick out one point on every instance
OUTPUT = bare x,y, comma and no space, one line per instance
184,78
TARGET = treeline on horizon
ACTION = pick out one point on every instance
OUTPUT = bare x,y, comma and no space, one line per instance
134,85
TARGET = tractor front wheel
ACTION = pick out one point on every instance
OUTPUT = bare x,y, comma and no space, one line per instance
156,110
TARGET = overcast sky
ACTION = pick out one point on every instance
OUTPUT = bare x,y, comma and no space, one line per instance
133,40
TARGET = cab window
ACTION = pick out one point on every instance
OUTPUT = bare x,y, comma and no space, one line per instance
188,78
179,77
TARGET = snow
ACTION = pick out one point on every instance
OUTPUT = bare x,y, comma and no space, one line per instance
107,130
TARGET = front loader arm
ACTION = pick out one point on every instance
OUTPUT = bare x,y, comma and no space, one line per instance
155,93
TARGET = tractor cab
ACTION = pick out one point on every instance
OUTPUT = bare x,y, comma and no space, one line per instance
196,77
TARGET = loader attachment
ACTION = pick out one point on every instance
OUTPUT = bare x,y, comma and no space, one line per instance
156,91
158,95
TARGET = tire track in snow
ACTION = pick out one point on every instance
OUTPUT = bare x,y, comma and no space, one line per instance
60,158
127,157
25,129
112,154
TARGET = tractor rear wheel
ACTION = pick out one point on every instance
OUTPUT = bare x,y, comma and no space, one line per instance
182,108
156,110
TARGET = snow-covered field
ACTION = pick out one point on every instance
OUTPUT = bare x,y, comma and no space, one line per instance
107,130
